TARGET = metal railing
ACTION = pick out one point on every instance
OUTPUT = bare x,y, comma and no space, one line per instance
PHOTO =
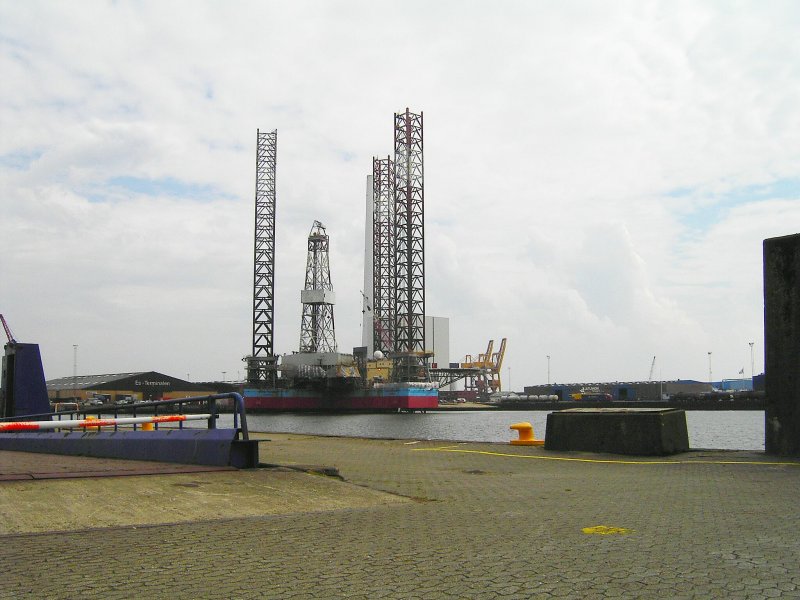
202,404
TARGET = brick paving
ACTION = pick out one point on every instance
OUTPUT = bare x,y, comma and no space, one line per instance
479,524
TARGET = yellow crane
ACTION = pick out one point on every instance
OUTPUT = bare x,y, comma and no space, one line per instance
494,367
488,380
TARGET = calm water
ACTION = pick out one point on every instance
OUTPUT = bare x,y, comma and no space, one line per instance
724,430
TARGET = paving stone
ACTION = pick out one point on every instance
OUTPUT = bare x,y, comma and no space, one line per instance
489,526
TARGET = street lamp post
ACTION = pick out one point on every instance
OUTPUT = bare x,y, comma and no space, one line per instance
709,371
548,369
75,371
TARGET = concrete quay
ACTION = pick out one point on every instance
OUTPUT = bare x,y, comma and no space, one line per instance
405,519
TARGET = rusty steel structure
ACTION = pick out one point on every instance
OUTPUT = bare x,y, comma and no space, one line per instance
383,254
409,233
261,363
317,331
410,360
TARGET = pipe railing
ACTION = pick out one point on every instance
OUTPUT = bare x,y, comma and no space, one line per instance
95,423
166,406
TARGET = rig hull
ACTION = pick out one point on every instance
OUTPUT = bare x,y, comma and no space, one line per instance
373,399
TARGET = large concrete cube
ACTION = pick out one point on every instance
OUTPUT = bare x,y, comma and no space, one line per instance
639,431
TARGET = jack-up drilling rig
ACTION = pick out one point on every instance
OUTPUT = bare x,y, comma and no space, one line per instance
318,377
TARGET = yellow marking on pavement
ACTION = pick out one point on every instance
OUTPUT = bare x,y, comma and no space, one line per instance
604,530
607,460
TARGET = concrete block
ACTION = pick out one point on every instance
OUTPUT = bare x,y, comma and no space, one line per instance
217,447
782,344
639,431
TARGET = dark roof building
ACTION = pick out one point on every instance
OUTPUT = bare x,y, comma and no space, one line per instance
142,385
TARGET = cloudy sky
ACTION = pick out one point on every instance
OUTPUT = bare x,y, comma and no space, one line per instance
599,175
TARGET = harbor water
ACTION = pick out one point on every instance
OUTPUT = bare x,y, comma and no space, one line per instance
722,430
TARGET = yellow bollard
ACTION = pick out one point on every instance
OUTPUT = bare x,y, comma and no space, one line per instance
526,438
148,427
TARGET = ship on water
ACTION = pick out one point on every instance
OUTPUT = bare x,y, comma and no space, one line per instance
391,371
337,382
319,378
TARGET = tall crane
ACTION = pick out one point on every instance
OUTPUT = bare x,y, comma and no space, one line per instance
487,381
9,335
652,368
496,366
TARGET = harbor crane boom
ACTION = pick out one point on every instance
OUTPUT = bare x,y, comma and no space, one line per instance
652,368
9,335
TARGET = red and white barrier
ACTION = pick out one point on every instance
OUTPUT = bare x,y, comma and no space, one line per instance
75,423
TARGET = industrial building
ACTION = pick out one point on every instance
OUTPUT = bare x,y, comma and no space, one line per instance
141,386
646,391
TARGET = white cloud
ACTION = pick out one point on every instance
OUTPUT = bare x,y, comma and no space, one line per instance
556,138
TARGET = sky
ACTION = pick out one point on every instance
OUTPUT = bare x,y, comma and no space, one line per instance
599,175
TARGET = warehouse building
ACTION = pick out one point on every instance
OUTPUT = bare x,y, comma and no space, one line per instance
141,386
632,391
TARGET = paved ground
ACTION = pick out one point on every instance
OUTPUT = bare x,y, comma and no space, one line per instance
427,520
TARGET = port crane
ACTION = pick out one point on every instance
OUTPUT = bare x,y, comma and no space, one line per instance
9,335
495,366
652,368
487,379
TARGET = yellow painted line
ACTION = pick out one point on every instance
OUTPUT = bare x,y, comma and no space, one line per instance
605,530
606,460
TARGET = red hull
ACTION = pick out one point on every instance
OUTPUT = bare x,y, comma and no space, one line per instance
375,400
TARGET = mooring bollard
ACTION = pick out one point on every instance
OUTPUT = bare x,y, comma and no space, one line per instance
526,438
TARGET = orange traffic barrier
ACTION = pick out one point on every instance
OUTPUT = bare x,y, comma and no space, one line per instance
526,438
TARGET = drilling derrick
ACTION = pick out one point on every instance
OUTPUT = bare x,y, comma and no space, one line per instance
317,330
261,363
383,249
409,248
